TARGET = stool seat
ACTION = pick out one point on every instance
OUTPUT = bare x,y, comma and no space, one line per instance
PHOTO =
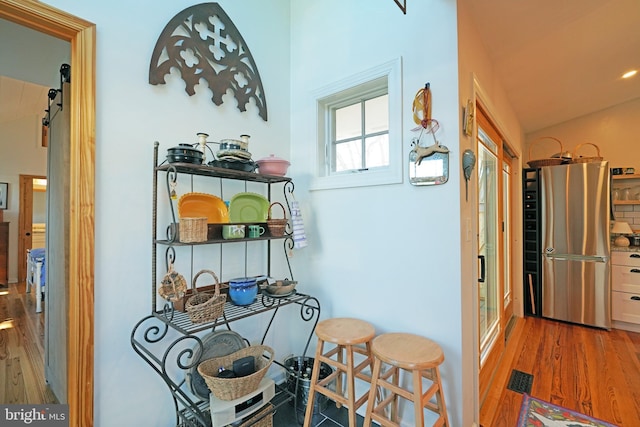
414,355
407,351
345,337
345,331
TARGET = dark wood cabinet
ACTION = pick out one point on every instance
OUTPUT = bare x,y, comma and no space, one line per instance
4,253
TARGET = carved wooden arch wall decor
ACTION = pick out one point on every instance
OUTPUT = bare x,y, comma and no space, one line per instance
203,43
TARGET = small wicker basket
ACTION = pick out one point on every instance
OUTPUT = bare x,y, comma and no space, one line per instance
193,229
233,388
549,161
277,226
173,285
267,421
581,159
203,306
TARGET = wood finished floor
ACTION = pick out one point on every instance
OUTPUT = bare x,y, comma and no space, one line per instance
589,370
21,349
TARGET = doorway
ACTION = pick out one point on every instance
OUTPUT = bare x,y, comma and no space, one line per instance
30,193
81,34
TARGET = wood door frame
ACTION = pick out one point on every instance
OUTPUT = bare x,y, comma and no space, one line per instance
25,221
82,36
488,369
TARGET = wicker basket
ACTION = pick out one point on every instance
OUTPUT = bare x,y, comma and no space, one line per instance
581,159
204,306
173,285
233,388
267,421
193,229
549,161
277,226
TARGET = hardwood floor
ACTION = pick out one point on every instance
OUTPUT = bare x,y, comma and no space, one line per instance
589,370
585,369
21,349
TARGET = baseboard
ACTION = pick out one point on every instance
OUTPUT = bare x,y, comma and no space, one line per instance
625,326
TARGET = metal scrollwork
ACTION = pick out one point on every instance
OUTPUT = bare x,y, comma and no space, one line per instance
203,44
172,176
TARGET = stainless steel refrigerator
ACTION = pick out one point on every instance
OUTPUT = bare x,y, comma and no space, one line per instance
575,214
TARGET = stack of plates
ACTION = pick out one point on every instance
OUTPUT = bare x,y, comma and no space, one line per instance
232,156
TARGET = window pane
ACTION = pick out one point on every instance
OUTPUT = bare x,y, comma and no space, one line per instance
376,113
348,122
349,155
377,151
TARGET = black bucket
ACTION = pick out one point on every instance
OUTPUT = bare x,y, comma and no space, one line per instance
299,371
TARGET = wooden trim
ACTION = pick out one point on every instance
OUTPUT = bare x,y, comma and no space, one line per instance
81,35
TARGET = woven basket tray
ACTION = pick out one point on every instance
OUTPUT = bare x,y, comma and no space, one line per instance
173,285
581,159
277,226
205,306
233,388
549,161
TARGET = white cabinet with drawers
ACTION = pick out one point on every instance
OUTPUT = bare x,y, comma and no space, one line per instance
625,284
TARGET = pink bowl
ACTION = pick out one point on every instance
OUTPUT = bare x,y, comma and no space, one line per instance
273,165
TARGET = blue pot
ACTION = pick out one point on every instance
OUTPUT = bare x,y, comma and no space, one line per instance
243,290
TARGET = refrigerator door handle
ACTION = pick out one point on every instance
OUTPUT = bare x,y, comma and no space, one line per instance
571,257
482,268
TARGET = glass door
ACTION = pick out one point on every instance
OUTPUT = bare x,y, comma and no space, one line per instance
494,245
488,242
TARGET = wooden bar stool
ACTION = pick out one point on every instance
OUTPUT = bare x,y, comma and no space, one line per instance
420,357
349,336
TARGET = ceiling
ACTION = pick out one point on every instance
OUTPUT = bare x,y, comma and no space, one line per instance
560,59
556,60
19,99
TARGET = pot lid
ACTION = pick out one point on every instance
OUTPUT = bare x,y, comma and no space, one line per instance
272,158
184,147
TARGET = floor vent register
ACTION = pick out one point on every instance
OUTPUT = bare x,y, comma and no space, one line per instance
520,382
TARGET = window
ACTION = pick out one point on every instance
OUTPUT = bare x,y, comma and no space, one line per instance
360,137
359,130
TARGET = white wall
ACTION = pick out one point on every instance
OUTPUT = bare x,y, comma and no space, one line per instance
386,254
35,57
613,130
131,115
21,153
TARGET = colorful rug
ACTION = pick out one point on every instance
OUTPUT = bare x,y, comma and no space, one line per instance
538,413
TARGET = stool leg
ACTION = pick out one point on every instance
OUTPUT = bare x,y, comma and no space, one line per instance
372,392
395,380
315,373
351,387
440,397
339,386
417,397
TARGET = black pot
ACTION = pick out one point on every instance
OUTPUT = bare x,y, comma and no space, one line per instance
184,153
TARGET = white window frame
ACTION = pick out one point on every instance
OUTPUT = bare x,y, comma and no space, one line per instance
334,95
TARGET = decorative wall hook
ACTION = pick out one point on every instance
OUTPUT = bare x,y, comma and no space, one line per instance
216,52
